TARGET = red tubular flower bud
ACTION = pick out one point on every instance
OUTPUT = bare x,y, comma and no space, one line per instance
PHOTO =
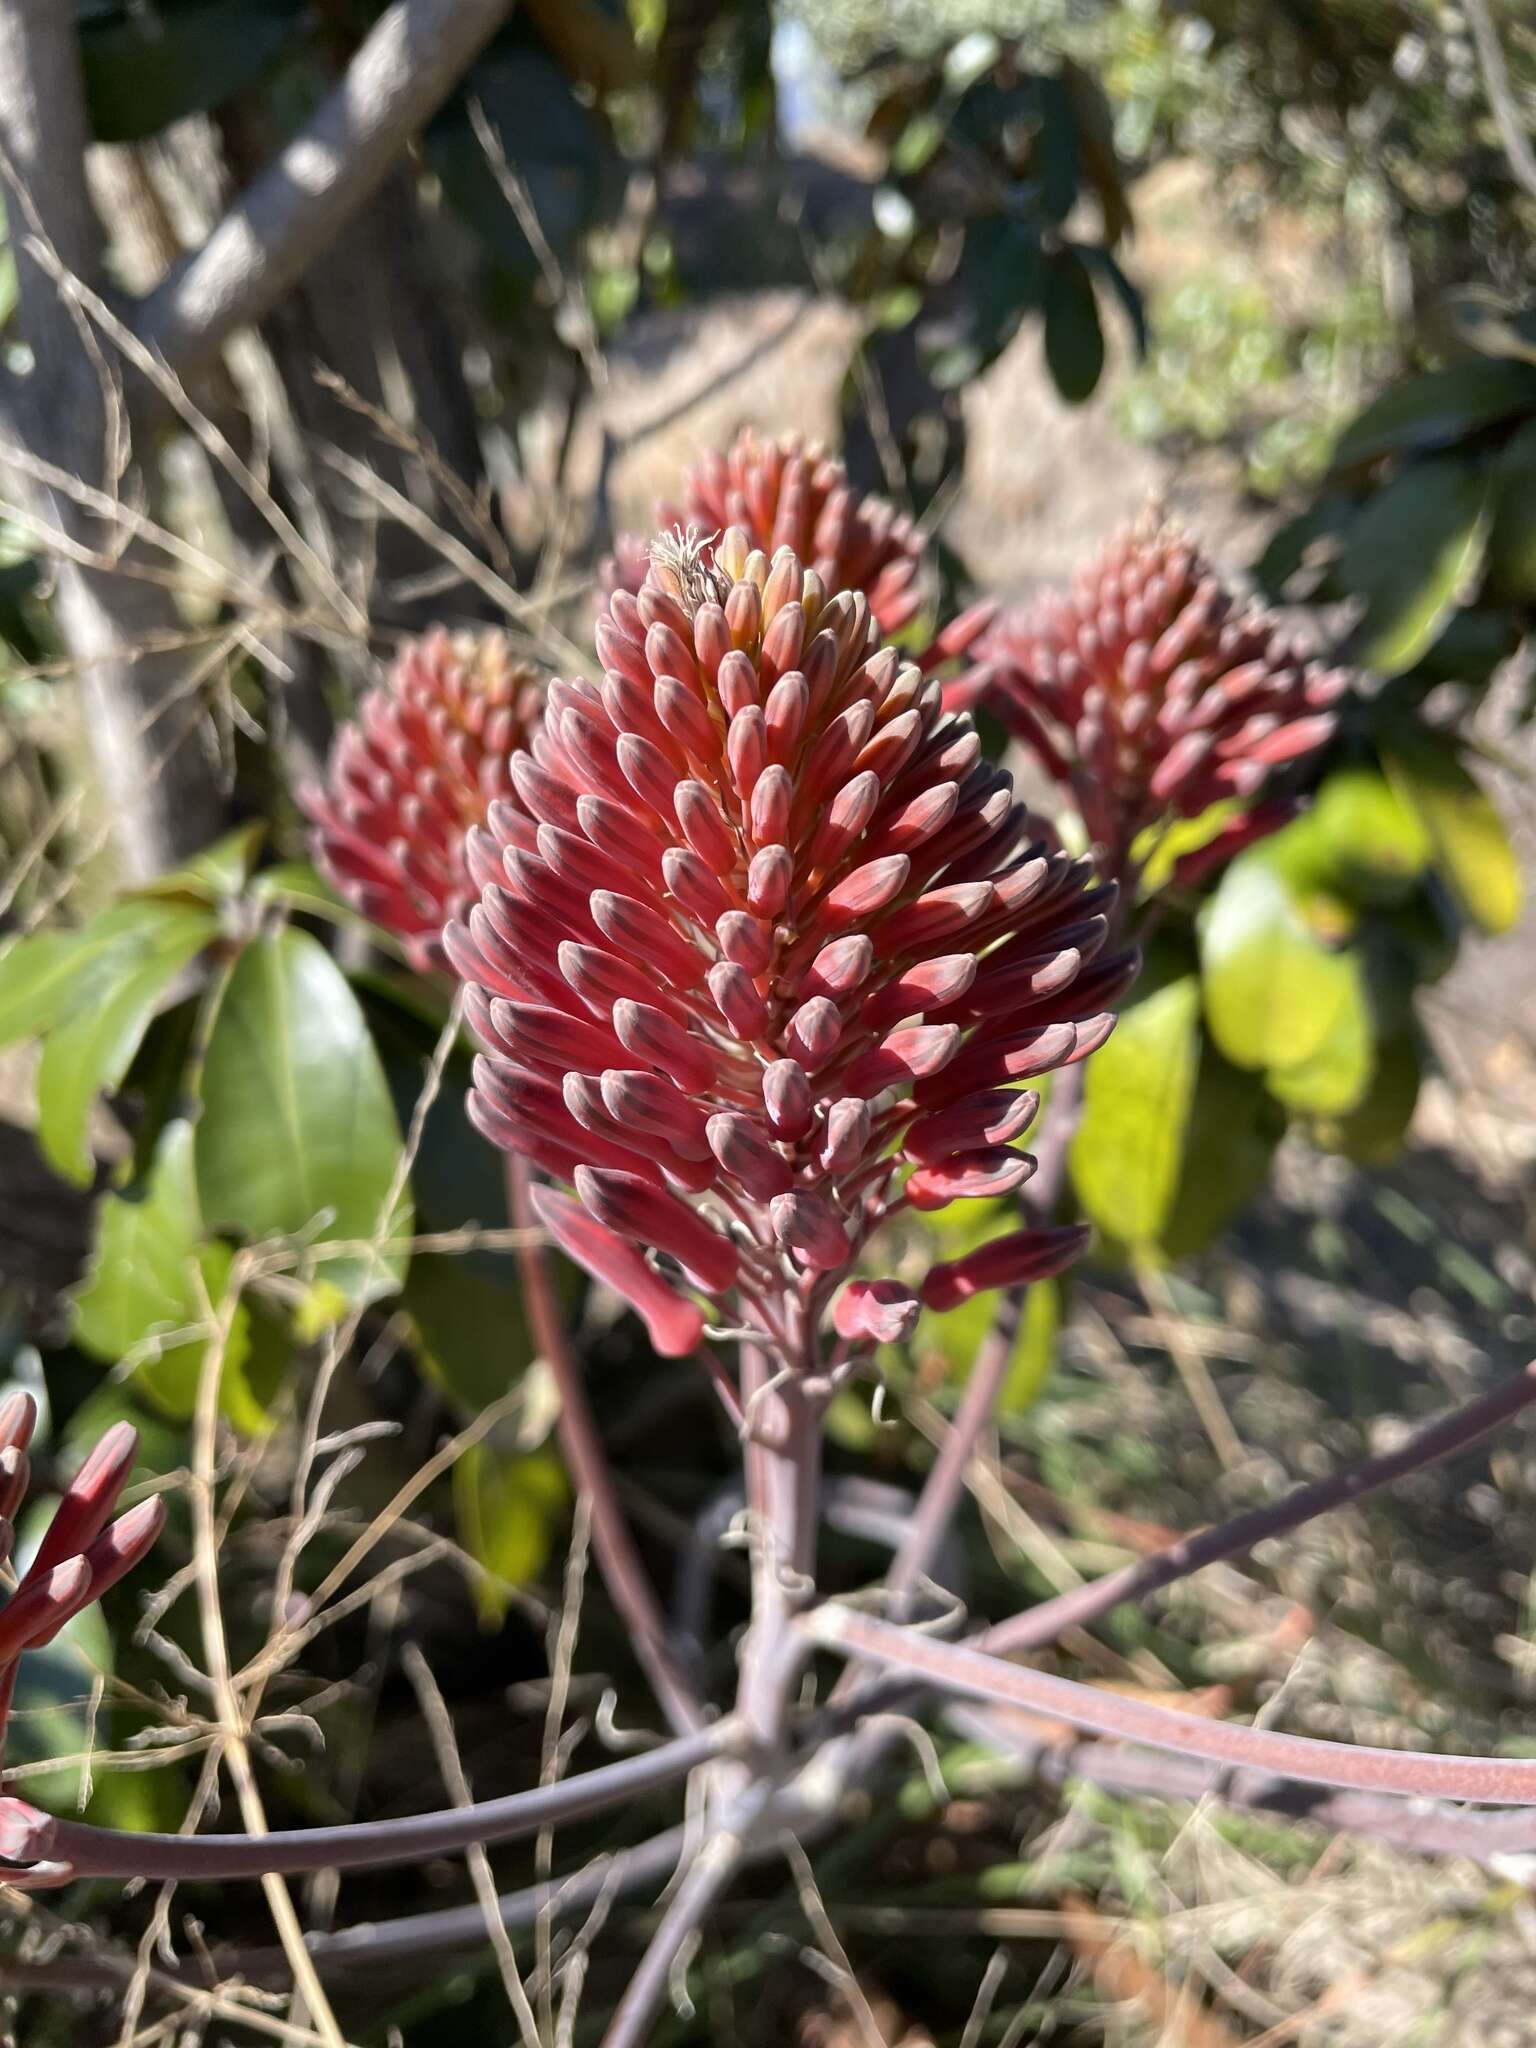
674,1323
636,1210
876,1312
807,949
1006,1262
808,1226
1150,689
430,750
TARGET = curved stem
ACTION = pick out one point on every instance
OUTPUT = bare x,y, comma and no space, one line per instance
960,1668
103,1852
617,1556
707,1877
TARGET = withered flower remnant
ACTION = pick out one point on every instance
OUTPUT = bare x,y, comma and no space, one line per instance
1150,691
425,757
762,948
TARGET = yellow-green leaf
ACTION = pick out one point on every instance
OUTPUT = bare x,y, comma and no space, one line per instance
506,1508
1334,1077
1471,847
1127,1156
1273,990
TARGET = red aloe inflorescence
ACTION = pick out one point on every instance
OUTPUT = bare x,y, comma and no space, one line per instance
795,494
423,760
760,951
1152,692
83,1553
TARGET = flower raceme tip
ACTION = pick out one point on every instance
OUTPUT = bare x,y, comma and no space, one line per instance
761,952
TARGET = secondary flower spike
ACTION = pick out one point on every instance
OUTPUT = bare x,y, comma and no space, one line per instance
83,1552
761,950
793,493
425,757
1151,691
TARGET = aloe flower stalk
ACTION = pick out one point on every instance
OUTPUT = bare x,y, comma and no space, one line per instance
1151,692
423,760
84,1551
792,493
762,949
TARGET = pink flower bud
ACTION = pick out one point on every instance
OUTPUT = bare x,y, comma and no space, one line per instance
875,1312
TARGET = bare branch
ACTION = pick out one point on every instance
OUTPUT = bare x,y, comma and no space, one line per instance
410,62
958,1668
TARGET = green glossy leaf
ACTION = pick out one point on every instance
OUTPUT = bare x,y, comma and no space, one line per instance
114,993
1074,340
1127,1157
148,63
217,873
1437,410
1376,843
41,976
1373,1131
298,1135
1334,1078
1472,850
153,1277
1414,554
507,1509
1273,990
1512,544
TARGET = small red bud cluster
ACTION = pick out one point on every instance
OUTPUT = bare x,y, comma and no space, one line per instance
423,760
1150,692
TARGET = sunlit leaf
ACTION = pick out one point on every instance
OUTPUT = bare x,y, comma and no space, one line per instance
1335,1076
1376,842
507,1508
1472,850
298,1136
1273,990
1127,1157
1373,1131
152,1284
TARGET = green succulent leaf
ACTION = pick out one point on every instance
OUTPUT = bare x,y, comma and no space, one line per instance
153,1280
1274,991
1437,410
298,1135
1372,1132
1414,554
1234,1127
1512,544
507,1507
1334,1078
90,995
1127,1158
1377,845
1472,850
